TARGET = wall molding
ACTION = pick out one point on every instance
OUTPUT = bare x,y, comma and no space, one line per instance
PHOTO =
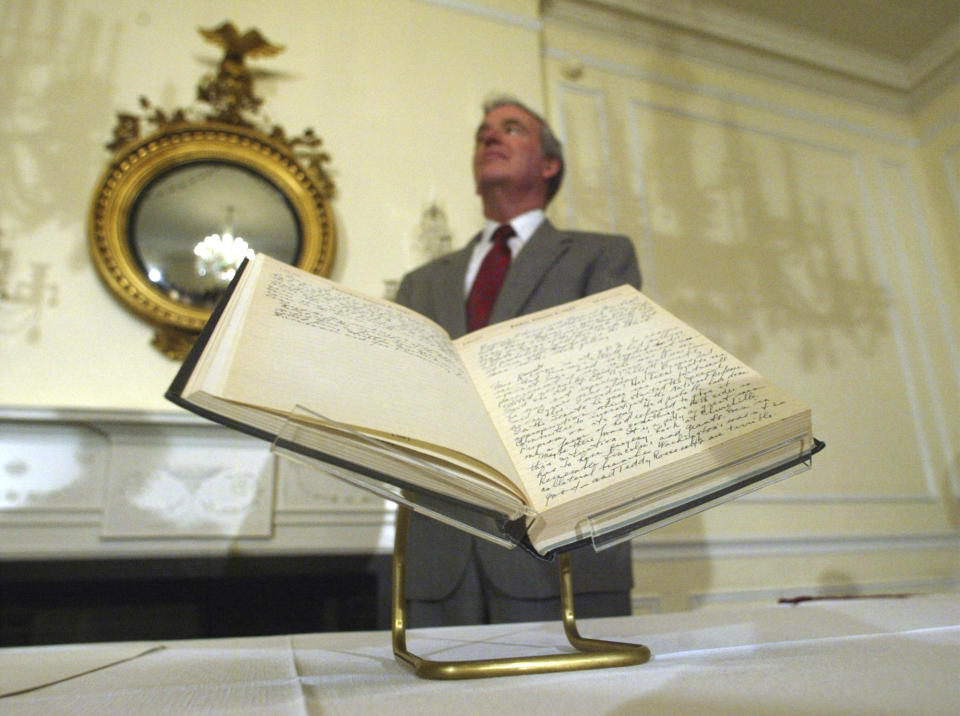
720,35
709,549
702,89
329,518
489,13
920,379
862,590
600,114
30,414
951,169
881,230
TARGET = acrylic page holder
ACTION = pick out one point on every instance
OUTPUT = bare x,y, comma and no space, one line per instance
300,439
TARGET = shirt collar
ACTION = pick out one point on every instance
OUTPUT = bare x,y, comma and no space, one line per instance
524,225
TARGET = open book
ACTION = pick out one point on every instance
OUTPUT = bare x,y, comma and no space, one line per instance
608,405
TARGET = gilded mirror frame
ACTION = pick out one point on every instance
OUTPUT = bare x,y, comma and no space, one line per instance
137,166
225,136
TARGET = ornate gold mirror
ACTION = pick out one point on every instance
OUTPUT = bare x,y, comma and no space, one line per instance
178,209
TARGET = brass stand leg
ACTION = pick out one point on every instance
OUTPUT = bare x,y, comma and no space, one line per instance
592,654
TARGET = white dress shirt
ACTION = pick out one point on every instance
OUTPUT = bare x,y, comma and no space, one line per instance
523,226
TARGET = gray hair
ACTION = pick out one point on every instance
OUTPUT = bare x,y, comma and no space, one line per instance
549,144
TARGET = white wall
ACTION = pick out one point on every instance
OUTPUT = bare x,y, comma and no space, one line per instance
814,237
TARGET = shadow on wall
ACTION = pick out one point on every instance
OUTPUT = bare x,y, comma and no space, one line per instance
56,93
54,101
747,233
757,243
950,492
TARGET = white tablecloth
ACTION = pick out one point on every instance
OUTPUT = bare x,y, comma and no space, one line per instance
864,656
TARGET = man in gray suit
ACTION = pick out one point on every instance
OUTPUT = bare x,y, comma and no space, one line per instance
453,578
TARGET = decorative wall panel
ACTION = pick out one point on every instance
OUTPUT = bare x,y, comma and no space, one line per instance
796,236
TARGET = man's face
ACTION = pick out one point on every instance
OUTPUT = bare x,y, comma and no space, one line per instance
508,151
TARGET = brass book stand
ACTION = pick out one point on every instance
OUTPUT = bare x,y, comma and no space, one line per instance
624,522
591,654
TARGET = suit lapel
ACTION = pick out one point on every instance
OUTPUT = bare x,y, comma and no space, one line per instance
449,298
529,270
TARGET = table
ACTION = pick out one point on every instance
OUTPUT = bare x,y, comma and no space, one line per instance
843,656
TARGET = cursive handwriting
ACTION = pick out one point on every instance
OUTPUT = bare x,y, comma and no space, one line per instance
614,391
364,320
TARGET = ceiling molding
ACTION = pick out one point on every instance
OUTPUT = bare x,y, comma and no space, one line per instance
745,41
934,58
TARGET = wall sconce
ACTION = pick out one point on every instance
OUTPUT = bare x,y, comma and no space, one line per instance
432,239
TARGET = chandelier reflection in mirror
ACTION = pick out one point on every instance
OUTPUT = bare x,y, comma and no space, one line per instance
178,209
220,255
189,236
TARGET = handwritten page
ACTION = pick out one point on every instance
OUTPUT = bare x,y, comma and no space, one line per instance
369,364
363,320
595,392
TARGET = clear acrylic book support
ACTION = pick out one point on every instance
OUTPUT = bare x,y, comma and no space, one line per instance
305,437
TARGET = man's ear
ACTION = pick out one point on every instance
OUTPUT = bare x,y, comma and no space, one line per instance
551,165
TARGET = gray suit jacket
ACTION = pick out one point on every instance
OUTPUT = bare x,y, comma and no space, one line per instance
554,267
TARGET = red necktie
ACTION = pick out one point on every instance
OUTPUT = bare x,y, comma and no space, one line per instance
489,278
